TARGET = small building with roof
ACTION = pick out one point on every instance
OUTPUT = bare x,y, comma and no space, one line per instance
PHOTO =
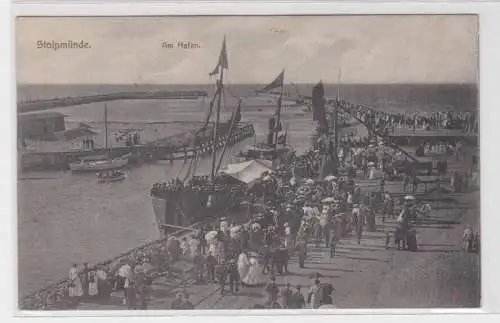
40,125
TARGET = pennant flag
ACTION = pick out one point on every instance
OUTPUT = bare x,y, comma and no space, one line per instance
223,62
278,82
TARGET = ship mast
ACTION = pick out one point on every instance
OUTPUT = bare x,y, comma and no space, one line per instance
216,124
278,115
336,127
106,125
222,64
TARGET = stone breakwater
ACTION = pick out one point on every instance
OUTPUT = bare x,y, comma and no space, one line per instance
36,105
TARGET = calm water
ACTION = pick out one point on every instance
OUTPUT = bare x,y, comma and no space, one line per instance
65,218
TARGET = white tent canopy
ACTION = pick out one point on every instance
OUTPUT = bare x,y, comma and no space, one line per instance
247,172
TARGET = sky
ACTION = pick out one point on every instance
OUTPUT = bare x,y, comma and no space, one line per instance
367,49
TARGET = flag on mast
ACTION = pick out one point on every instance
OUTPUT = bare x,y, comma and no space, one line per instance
223,62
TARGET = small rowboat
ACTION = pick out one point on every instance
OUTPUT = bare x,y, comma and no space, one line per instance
116,176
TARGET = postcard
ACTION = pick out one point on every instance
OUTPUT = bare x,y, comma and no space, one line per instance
248,162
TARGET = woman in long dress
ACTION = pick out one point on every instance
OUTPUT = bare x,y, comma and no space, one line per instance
314,295
75,284
372,173
254,277
93,288
243,266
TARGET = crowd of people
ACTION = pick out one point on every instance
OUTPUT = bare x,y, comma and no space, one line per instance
204,144
287,210
466,121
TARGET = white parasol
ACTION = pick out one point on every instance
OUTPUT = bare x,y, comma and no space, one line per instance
234,232
410,198
211,235
309,181
371,164
328,200
330,178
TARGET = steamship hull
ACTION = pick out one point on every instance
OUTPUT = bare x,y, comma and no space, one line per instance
199,202
185,208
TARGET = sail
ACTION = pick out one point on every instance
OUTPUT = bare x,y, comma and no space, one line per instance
276,83
318,102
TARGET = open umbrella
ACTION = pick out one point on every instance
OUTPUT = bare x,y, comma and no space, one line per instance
210,235
328,200
309,181
371,164
234,232
330,178
410,198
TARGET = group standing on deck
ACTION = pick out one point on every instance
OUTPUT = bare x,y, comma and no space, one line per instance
466,121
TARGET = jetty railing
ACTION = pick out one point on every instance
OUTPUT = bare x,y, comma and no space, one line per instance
50,295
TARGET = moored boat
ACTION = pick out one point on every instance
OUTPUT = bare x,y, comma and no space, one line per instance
91,164
111,176
102,162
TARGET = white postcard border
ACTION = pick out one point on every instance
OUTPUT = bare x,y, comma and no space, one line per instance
490,175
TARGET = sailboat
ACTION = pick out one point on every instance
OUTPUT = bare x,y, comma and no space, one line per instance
183,202
275,148
102,162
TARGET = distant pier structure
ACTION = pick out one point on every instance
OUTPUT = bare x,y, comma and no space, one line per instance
44,104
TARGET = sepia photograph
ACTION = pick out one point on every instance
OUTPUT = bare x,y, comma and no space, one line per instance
248,162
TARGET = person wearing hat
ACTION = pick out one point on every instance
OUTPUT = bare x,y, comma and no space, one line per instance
287,296
298,300
313,296
222,273
177,302
301,252
272,291
233,275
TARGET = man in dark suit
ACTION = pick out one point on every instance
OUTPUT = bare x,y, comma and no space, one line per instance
234,276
